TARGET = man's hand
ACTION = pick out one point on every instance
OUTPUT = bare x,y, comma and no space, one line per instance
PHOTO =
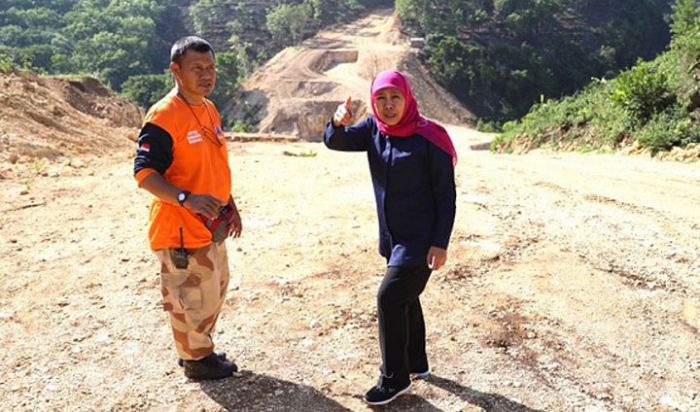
235,226
203,204
206,205
436,257
343,114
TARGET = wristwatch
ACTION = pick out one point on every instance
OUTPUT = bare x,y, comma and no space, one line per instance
182,197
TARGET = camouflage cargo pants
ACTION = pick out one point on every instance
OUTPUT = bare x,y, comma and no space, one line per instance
193,297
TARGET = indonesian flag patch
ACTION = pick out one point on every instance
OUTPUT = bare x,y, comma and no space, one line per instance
144,147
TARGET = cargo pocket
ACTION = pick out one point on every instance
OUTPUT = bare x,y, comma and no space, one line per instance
191,298
180,292
171,294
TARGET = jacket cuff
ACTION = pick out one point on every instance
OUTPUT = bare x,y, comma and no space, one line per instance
142,174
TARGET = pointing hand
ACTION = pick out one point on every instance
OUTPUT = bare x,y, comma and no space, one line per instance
343,113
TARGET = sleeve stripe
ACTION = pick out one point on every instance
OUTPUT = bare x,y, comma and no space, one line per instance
154,149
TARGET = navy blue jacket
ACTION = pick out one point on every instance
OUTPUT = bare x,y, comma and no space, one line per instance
414,189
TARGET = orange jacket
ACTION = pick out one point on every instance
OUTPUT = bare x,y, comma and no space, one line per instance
186,145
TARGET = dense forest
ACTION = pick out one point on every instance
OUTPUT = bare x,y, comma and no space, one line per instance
655,104
124,44
500,56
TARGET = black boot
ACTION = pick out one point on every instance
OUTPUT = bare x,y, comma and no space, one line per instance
386,390
210,367
220,354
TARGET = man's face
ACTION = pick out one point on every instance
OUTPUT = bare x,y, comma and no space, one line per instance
197,72
389,103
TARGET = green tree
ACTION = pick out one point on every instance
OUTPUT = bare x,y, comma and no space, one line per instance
111,38
147,89
228,77
290,23
685,17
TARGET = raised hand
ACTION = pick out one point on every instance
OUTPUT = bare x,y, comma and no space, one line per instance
343,113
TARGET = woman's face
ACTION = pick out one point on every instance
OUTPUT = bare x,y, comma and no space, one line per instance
389,104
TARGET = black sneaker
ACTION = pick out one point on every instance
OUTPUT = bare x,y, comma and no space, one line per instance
386,391
220,354
210,367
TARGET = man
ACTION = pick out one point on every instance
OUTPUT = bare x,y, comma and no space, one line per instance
182,160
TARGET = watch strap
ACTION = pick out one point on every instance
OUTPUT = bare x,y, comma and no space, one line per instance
182,197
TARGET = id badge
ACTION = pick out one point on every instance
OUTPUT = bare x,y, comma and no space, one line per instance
219,133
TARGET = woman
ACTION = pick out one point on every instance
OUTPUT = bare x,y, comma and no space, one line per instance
411,162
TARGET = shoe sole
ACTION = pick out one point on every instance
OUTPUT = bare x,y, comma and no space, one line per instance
384,402
209,378
421,375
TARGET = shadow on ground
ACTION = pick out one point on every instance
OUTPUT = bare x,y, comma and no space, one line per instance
490,402
248,391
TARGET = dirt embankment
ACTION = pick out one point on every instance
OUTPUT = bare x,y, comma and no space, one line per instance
298,90
59,118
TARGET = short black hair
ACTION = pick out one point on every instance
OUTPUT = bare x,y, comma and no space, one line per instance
195,43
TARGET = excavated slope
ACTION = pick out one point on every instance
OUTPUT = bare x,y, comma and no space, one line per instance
50,117
297,91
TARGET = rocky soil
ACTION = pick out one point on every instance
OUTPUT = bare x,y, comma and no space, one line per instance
572,285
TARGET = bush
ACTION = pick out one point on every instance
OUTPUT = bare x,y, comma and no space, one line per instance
668,129
6,62
247,123
586,118
685,16
240,126
642,91
488,126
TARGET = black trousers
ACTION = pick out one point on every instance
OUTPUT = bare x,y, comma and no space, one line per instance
401,324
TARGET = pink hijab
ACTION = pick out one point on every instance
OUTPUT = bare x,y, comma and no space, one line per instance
411,121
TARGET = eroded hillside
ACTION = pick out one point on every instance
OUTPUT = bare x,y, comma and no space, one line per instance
52,117
297,91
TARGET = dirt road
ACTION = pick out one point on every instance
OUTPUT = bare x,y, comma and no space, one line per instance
573,284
